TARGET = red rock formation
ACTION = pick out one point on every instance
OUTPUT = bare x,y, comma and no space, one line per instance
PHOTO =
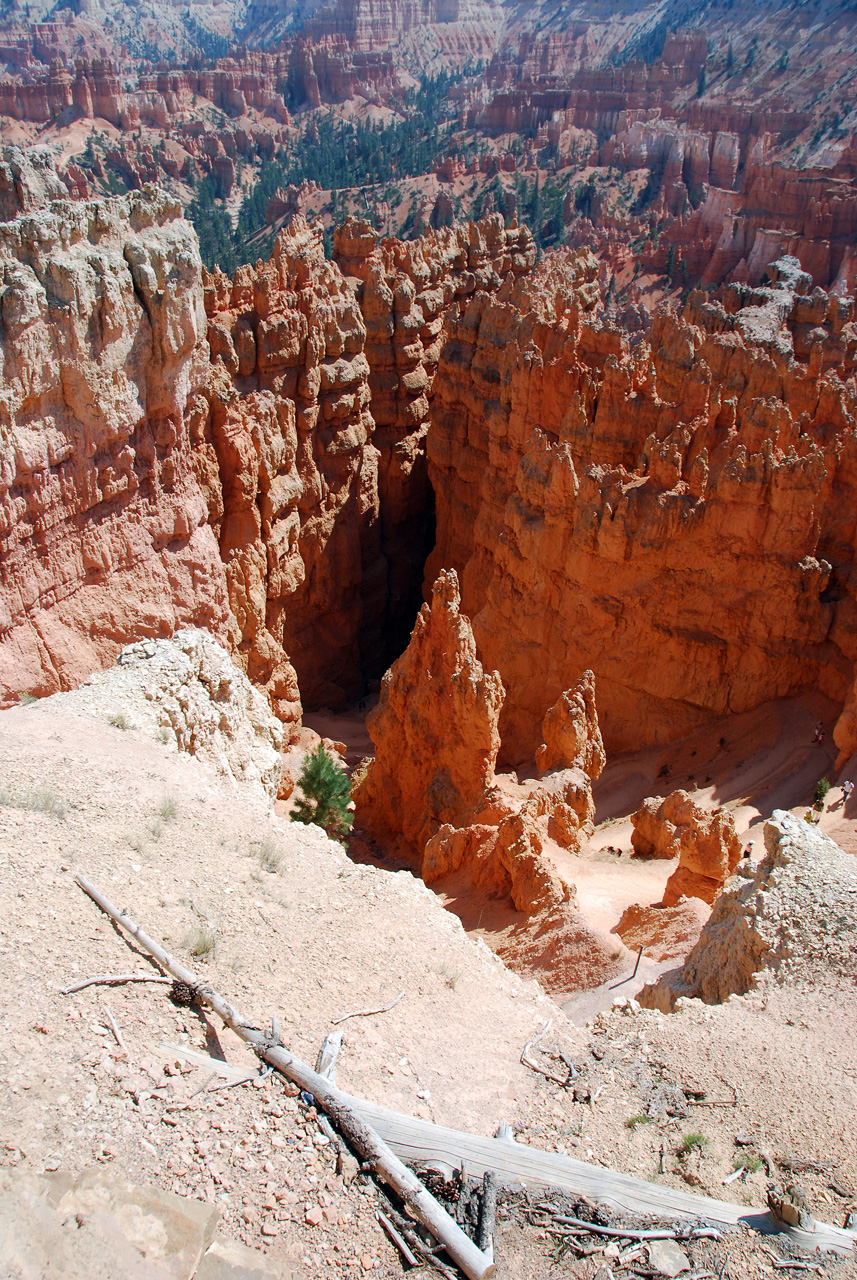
406,291
103,529
572,738
434,729
294,490
704,841
664,933
601,505
432,780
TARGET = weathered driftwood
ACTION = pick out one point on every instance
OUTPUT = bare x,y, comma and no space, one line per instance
327,1055
628,1233
338,1106
488,1213
401,1244
114,1027
225,1069
536,1066
422,1144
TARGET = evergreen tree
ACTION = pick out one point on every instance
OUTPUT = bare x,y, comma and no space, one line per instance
326,793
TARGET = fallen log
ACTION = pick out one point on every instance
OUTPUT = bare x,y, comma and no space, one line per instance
338,1106
423,1144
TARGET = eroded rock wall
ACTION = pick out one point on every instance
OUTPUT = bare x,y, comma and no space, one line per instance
434,729
104,533
405,291
293,475
676,517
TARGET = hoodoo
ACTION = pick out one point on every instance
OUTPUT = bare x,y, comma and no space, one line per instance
428,626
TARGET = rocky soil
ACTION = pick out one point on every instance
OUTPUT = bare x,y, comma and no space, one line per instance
275,916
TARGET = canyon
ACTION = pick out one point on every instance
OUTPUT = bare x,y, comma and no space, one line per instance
320,437
623,539
472,391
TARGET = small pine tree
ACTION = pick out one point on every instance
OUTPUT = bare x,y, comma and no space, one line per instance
326,793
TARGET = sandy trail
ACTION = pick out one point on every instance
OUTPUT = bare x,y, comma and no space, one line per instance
751,763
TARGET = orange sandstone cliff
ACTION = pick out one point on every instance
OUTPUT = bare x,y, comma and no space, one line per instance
431,787
431,794
673,515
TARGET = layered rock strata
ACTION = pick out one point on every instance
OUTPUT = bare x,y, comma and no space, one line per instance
291,474
312,451
104,533
704,841
405,291
602,503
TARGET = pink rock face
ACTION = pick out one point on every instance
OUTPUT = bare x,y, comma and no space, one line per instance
704,840
104,536
664,933
434,729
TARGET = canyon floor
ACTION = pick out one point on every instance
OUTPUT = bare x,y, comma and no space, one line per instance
750,764
303,932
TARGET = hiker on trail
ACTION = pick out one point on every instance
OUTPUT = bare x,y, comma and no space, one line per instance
819,734
748,852
847,788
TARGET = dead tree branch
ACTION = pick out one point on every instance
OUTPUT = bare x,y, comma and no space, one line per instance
358,1133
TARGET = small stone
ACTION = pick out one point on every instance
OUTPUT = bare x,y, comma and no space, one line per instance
314,1216
348,1168
270,1230
667,1259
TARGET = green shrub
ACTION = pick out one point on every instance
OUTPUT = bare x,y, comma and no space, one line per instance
821,789
326,793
